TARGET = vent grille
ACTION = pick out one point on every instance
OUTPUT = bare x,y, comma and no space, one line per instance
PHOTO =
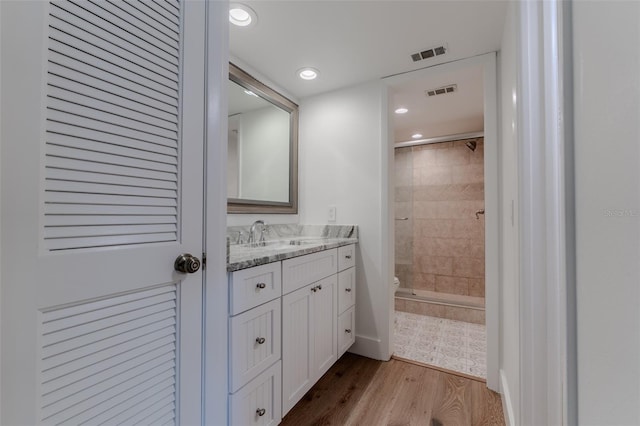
111,361
112,130
442,90
429,53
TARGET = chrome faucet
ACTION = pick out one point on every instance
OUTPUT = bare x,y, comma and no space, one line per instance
252,232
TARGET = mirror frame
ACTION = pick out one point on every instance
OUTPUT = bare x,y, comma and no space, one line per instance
238,205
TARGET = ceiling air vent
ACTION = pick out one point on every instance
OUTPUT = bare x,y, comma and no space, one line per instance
429,53
442,90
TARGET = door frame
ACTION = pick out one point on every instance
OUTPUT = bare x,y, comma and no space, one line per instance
491,200
216,293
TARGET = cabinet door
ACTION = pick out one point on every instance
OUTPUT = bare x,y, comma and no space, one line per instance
346,289
258,403
255,343
297,352
325,300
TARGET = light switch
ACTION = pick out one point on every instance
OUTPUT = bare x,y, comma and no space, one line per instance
332,214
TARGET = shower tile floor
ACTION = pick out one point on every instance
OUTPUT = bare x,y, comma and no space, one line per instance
454,345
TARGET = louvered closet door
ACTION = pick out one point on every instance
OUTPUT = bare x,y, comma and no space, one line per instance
102,190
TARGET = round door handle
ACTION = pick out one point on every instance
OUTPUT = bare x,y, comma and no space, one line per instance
348,290
187,263
261,412
260,340
348,330
348,256
261,285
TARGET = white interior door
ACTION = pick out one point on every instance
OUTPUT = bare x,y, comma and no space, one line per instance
102,187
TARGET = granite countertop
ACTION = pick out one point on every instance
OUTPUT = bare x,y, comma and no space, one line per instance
287,241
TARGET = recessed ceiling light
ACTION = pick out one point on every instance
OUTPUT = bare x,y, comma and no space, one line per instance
308,73
417,136
242,15
402,111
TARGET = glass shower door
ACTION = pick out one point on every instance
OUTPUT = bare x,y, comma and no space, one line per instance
403,160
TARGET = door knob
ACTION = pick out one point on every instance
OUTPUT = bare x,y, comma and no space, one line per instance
187,263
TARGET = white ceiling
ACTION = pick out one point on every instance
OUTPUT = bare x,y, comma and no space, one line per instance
351,42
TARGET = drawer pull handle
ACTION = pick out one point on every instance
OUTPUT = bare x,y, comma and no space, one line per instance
261,412
348,256
261,285
260,340
348,290
348,330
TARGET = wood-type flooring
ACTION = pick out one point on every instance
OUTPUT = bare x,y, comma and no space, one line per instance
362,391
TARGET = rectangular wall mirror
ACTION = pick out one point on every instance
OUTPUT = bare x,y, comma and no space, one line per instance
262,163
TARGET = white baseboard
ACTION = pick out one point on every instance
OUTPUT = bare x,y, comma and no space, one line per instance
507,406
369,347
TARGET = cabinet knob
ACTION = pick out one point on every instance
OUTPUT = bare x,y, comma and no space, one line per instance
348,290
261,285
260,340
314,289
347,256
347,330
319,287
261,412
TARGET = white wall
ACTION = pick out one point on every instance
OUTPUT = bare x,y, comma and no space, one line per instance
509,271
344,158
607,176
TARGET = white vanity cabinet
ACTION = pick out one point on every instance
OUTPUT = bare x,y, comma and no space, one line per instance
289,323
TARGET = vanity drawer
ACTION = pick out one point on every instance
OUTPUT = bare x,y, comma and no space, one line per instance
303,270
346,257
260,401
256,338
346,289
254,286
346,330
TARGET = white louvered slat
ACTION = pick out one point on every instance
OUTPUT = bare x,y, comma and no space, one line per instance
112,143
81,80
149,19
159,13
63,163
118,106
110,358
98,210
62,51
131,21
100,39
82,176
120,35
102,112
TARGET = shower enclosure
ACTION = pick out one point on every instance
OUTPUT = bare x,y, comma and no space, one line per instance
439,223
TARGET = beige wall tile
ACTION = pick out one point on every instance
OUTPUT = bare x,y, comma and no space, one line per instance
476,248
413,307
423,281
468,267
456,155
437,265
476,287
403,193
435,228
468,228
434,310
452,285
469,173
432,175
400,305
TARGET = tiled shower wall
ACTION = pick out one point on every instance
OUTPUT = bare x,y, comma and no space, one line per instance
440,187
